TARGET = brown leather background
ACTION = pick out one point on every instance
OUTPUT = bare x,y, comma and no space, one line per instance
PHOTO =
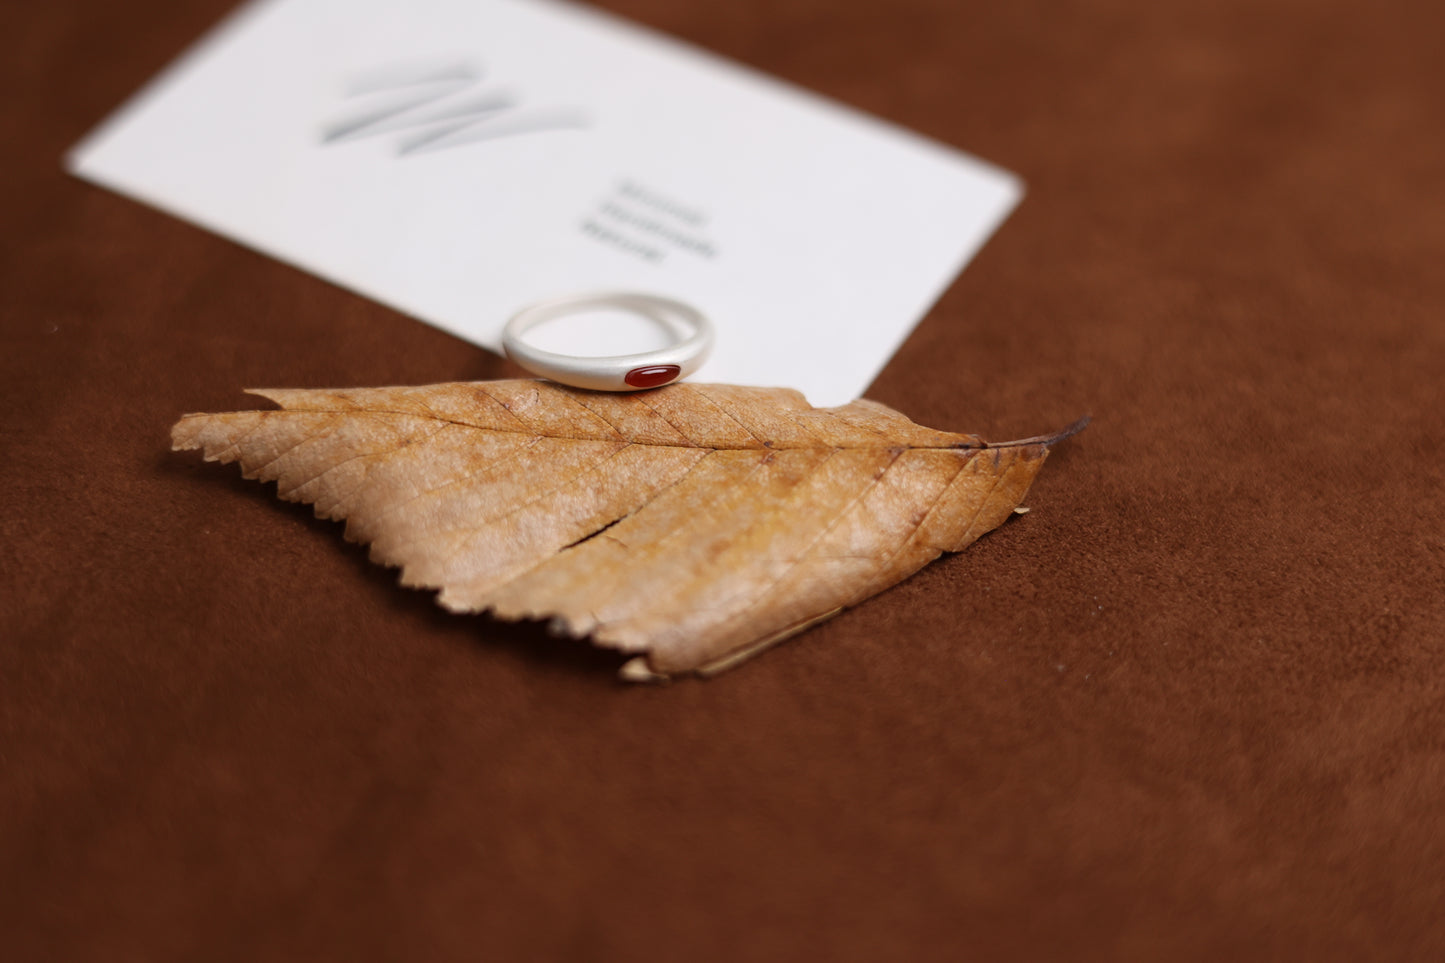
1192,707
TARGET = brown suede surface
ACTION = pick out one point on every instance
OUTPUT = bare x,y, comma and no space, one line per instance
1191,707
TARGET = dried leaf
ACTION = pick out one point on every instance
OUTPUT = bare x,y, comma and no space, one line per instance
694,525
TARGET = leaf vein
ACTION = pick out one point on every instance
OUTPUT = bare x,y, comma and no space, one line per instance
481,390
235,445
599,415
566,553
324,432
697,390
467,532
517,452
790,564
676,427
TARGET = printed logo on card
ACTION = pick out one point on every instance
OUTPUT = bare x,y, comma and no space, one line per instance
424,108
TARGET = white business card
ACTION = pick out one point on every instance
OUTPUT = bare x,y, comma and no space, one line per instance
462,159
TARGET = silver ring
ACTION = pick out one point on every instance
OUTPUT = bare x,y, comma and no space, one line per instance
627,372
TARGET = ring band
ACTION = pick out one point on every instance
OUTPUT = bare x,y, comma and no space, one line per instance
628,372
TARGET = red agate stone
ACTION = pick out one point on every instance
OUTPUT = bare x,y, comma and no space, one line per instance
652,377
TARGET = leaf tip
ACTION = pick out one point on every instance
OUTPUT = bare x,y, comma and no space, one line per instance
183,433
1047,441
637,670
1070,431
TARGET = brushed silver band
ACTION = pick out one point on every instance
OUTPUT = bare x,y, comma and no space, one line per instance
628,372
